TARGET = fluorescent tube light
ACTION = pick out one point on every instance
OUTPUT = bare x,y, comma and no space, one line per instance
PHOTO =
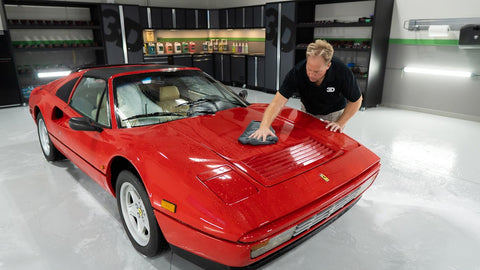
53,74
441,72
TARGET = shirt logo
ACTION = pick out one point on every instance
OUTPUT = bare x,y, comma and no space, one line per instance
330,89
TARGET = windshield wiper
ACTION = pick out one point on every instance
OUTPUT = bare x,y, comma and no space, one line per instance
153,114
200,100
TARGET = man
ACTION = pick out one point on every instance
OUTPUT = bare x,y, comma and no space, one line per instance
328,90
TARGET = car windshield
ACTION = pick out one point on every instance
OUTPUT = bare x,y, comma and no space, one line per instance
154,98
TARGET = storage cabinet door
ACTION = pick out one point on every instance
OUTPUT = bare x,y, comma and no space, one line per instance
167,18
133,34
202,21
112,33
181,18
157,17
238,69
9,91
214,19
190,19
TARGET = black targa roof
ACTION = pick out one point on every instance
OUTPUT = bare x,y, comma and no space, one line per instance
108,71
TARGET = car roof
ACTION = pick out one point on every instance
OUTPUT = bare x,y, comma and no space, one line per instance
105,72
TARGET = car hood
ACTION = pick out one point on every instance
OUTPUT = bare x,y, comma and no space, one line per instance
303,142
257,185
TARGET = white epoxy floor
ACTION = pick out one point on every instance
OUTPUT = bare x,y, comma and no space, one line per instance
423,212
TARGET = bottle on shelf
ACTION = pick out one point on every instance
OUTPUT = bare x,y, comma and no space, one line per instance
245,48
169,47
191,47
160,48
178,47
185,47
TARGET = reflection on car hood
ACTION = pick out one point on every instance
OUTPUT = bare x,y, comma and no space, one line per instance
303,142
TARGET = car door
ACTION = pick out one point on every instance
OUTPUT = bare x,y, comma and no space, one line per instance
90,100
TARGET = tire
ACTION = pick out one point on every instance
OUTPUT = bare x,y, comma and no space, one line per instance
137,215
49,150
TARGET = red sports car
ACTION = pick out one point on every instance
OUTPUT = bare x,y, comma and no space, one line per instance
164,141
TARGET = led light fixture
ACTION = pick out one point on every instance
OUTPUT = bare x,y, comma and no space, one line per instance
441,72
53,74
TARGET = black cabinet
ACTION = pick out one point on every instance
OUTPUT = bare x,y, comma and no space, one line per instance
144,17
279,52
367,57
202,18
256,72
222,67
231,18
239,18
112,34
258,16
204,62
248,13
10,91
180,18
191,19
182,60
167,18
238,69
214,15
133,34
156,15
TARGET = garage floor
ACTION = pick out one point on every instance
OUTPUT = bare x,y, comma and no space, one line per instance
423,212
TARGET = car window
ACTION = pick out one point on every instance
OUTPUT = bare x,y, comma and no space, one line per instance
65,90
91,100
159,97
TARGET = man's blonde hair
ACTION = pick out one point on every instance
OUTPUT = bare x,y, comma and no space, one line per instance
322,48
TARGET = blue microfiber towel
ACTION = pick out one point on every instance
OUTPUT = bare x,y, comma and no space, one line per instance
252,127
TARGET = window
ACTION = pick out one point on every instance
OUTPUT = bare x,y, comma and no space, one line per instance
91,100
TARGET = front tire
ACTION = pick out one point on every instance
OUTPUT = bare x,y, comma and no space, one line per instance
49,150
137,215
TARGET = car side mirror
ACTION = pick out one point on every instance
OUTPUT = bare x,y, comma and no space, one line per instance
83,124
243,94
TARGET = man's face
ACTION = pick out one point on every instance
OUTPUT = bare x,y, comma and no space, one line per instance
316,68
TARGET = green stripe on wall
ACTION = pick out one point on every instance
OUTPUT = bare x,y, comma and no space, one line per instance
434,42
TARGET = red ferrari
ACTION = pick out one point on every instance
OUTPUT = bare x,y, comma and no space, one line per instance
164,141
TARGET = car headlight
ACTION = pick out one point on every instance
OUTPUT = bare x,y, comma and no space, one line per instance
271,243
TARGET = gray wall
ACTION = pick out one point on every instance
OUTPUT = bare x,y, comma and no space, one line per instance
450,96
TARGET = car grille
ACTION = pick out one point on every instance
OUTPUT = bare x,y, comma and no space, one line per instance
289,160
307,224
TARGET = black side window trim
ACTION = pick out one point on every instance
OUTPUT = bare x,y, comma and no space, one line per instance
65,90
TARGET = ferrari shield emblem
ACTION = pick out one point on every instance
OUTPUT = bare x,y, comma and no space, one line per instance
324,177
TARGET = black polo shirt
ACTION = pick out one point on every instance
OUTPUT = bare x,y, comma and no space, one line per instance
338,86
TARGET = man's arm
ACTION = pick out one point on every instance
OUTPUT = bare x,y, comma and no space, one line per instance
348,112
270,114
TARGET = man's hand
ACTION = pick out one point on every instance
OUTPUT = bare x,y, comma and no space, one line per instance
262,133
334,126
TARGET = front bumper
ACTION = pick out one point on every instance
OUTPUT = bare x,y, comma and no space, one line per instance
239,254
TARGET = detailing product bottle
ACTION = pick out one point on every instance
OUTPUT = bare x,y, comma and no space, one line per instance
245,48
184,47
151,48
225,45
178,47
205,46
191,47
210,46
169,47
234,45
160,48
